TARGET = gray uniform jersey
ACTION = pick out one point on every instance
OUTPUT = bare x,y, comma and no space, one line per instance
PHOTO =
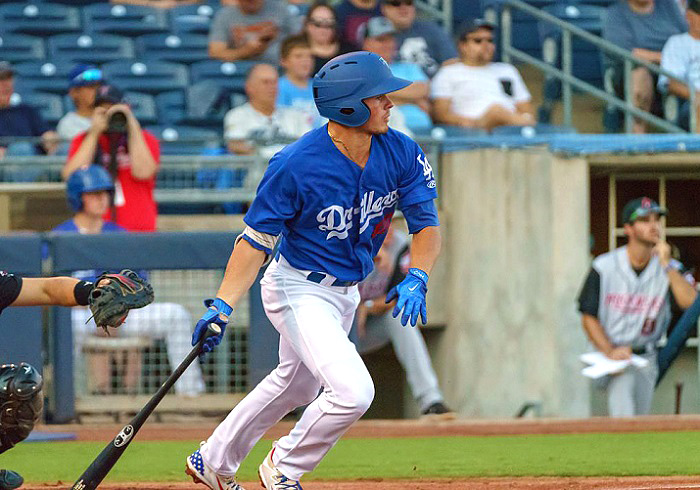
633,309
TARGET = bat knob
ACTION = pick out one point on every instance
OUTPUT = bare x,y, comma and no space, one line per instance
213,329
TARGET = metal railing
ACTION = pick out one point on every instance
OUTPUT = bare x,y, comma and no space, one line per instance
569,82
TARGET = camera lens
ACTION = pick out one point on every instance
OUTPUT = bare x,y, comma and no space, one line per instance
117,123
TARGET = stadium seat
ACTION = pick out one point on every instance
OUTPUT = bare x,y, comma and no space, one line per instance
18,47
127,20
207,103
586,58
146,76
42,19
228,74
178,48
194,19
50,106
42,76
72,3
171,107
86,48
185,140
143,106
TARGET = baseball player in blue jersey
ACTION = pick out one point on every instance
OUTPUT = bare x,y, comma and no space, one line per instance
326,202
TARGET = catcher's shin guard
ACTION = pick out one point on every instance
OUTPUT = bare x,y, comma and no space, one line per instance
21,402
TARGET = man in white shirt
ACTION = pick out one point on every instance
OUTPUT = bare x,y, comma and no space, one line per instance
260,119
476,92
681,57
83,83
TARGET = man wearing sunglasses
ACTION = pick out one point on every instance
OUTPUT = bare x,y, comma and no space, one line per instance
83,81
422,42
476,92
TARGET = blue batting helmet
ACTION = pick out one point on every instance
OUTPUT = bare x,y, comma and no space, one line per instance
89,179
342,83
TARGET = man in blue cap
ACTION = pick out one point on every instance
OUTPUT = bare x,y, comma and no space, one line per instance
83,81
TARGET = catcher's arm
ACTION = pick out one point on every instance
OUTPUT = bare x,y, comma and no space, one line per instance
115,294
61,291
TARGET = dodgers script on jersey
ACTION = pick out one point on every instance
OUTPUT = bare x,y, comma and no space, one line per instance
332,214
634,310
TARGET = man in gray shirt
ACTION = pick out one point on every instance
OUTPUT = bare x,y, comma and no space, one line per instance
250,30
642,27
419,41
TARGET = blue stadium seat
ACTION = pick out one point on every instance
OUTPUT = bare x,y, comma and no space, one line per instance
41,19
42,76
586,58
185,140
146,76
127,20
228,74
50,106
18,47
178,48
72,3
207,103
143,106
171,107
524,31
195,19
87,48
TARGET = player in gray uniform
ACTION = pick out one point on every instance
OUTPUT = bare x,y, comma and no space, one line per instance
376,327
626,304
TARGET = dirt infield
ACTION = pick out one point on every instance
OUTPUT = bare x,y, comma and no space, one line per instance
420,428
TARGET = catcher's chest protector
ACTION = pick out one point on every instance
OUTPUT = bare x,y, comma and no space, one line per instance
21,402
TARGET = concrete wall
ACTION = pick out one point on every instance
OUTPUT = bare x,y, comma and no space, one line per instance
516,248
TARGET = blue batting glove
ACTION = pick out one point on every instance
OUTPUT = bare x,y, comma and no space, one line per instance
216,308
411,297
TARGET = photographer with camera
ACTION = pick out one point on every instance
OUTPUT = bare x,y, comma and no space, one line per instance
129,153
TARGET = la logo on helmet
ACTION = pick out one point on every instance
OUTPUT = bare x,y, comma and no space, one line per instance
384,61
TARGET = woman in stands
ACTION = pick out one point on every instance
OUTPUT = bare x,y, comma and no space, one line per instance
320,29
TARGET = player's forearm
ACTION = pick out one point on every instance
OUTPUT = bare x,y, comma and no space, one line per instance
425,248
47,291
682,290
83,157
596,334
242,269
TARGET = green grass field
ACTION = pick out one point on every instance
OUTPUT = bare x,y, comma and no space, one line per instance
653,453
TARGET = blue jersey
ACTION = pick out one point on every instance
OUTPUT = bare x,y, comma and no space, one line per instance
332,214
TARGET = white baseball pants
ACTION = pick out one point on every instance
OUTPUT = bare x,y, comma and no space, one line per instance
631,392
314,352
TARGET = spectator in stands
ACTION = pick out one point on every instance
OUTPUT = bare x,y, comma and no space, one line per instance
681,57
642,27
419,41
83,82
89,191
163,4
21,120
379,37
249,30
376,327
260,119
351,14
295,86
320,29
130,154
476,92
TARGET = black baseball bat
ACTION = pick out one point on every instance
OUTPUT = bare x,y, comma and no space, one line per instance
109,456
676,340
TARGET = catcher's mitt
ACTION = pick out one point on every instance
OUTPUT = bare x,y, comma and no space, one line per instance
115,294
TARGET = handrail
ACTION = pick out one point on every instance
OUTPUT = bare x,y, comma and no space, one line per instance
565,74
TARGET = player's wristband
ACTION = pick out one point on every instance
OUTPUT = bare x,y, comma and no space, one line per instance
420,274
82,291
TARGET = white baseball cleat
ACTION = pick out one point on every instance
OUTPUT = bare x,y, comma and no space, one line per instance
202,473
272,479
